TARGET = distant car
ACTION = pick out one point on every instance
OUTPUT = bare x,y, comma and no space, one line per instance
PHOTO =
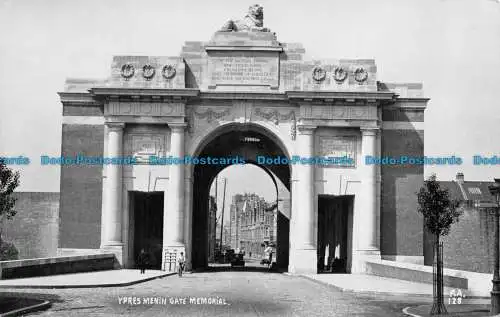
237,260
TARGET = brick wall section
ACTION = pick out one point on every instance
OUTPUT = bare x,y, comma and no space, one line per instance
469,245
398,114
35,228
81,188
401,225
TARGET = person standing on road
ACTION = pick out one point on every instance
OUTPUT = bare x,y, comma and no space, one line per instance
269,252
181,260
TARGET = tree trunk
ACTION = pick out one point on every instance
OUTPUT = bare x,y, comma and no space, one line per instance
438,302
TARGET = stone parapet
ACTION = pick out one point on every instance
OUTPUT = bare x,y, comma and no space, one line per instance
147,72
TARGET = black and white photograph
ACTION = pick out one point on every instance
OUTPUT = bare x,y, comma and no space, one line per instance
233,158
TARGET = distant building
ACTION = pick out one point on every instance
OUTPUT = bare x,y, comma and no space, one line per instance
469,245
253,221
234,221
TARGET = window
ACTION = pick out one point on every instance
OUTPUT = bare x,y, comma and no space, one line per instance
474,190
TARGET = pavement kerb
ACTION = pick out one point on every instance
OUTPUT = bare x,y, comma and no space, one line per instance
28,309
406,312
87,285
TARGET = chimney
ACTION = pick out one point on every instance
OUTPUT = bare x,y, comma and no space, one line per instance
460,177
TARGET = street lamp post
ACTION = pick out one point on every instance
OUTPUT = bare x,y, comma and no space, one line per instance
495,292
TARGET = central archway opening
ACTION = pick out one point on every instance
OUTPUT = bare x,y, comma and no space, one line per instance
249,142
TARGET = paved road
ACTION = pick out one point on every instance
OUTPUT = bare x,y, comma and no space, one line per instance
235,294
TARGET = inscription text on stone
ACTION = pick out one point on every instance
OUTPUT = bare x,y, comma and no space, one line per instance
245,68
344,146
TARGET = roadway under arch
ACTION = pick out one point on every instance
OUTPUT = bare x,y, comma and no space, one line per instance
247,141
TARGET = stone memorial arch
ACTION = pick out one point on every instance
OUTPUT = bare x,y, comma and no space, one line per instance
242,93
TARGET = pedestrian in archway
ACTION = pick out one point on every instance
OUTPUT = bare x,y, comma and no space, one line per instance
181,260
269,252
143,261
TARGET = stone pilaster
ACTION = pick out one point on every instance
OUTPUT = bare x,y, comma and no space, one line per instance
368,246
112,190
303,254
173,215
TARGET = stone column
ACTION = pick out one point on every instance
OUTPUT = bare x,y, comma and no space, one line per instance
113,186
304,258
367,221
173,215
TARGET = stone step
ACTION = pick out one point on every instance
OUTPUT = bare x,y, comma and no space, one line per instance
412,272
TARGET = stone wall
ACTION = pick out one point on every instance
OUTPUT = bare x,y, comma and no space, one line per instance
35,228
469,245
81,188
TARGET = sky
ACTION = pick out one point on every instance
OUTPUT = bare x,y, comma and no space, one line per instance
451,46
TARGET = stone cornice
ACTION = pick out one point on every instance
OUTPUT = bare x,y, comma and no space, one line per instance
209,48
417,99
242,95
96,95
330,96
180,94
418,104
312,96
78,99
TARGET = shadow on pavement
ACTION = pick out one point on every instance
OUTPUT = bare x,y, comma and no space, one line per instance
10,301
227,268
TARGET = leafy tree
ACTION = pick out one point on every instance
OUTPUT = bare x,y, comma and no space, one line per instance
439,212
9,180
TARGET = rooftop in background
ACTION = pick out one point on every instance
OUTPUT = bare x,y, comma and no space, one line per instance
474,193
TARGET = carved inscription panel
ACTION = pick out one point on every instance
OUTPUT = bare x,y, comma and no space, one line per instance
339,112
340,146
233,68
144,108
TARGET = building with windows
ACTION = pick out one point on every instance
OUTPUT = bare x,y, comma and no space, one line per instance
253,221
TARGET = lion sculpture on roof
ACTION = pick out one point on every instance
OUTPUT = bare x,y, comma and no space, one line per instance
252,22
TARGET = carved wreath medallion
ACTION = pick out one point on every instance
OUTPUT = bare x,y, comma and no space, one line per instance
128,71
339,74
168,71
360,74
148,71
318,73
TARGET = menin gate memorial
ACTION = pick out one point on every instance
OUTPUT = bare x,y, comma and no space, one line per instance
243,84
